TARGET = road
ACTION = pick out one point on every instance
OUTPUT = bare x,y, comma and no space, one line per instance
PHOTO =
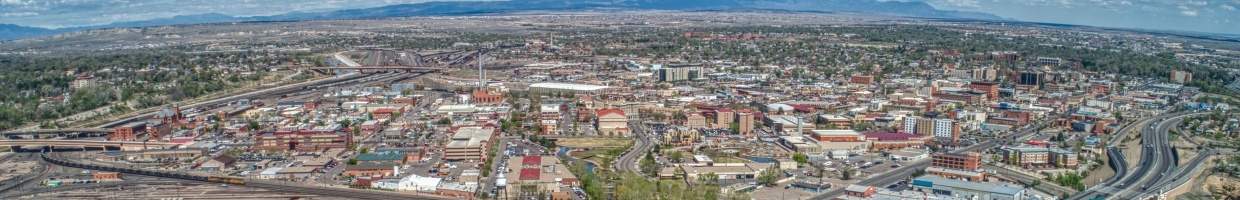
278,90
1116,158
1052,189
1162,161
629,160
895,175
1158,159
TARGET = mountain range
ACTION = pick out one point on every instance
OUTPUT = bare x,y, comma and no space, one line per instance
877,7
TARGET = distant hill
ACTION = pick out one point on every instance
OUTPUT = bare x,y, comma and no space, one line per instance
895,8
10,31
182,19
879,7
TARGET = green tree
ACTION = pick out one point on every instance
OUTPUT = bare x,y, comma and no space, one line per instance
253,125
648,165
676,156
800,158
847,172
710,178
769,176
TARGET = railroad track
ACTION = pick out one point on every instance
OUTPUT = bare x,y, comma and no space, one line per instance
270,185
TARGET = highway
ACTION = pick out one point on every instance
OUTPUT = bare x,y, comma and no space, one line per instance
352,78
1163,160
1158,160
1179,176
1115,157
279,90
895,175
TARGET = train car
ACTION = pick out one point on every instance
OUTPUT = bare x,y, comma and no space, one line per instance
226,180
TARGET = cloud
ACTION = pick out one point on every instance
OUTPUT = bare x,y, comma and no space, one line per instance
1228,7
1190,13
18,14
963,3
70,13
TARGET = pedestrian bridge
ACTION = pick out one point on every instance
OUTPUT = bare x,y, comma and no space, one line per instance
122,145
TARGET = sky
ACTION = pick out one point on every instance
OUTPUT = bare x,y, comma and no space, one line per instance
1217,16
71,13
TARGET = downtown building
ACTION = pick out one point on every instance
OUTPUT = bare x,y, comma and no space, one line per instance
679,73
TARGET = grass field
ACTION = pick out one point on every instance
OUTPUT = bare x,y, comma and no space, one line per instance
594,142
729,159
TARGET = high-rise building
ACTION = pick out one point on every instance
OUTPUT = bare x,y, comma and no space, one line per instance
925,126
724,118
985,74
745,121
695,121
991,89
1029,78
910,124
674,74
944,128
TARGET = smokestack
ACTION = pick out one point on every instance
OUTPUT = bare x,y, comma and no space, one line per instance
482,74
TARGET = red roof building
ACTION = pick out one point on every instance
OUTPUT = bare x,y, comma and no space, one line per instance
894,140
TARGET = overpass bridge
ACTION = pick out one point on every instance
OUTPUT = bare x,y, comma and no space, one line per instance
387,60
122,145
375,69
50,133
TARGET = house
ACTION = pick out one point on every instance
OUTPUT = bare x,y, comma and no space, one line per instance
385,169
862,191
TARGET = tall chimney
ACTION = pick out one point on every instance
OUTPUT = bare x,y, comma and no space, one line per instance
482,74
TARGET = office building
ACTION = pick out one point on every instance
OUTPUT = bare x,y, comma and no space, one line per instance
469,143
724,118
946,129
957,166
910,124
679,73
744,119
695,121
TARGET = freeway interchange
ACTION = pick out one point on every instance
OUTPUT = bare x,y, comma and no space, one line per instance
1159,167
